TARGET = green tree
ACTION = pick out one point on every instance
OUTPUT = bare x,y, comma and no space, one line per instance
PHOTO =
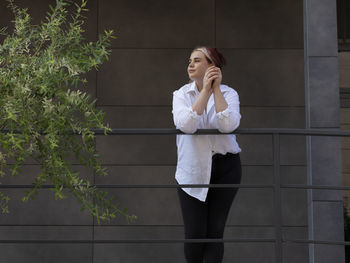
39,64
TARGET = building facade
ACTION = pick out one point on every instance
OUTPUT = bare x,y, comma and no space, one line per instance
283,62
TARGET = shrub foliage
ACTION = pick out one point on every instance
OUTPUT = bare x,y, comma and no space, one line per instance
40,68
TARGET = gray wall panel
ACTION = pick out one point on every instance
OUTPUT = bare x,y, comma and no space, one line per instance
295,252
322,28
266,77
237,25
294,207
252,207
292,150
272,117
327,218
159,72
326,150
161,174
109,232
242,252
44,209
38,11
53,253
137,149
45,232
158,24
324,92
150,205
139,116
139,252
329,225
293,174
329,253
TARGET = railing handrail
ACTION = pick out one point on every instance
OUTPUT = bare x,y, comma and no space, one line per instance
171,131
295,186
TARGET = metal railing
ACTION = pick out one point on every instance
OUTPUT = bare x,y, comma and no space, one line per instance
277,186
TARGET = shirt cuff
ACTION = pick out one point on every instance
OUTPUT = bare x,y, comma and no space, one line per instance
223,114
194,114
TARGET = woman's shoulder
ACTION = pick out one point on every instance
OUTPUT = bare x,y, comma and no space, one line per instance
226,88
183,89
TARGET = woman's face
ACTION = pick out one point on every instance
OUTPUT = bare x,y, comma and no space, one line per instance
197,65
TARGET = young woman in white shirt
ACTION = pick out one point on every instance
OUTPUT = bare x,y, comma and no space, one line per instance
205,103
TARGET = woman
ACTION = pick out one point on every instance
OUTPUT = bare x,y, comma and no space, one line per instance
205,103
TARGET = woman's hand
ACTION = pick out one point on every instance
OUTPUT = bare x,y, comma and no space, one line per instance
217,80
212,77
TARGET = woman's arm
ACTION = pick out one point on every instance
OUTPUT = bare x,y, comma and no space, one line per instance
229,119
219,100
184,117
209,81
227,116
202,100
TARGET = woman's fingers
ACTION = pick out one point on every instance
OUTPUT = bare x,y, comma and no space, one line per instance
213,70
213,74
213,77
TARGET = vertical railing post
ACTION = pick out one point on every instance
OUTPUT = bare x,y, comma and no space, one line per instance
277,198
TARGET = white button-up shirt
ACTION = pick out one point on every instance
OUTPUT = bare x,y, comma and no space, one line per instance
194,152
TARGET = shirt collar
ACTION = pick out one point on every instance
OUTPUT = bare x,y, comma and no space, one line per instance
192,88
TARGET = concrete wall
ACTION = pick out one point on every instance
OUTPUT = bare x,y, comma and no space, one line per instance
344,83
263,44
322,108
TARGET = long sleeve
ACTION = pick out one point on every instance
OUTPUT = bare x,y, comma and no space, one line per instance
229,119
184,117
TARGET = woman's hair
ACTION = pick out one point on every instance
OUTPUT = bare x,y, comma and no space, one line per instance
212,55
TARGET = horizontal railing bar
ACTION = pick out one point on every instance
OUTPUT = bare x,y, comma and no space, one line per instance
131,225
343,243
326,187
171,131
152,186
197,240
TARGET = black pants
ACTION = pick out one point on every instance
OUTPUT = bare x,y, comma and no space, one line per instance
207,219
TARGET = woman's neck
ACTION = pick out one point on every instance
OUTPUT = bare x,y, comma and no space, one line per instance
199,85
